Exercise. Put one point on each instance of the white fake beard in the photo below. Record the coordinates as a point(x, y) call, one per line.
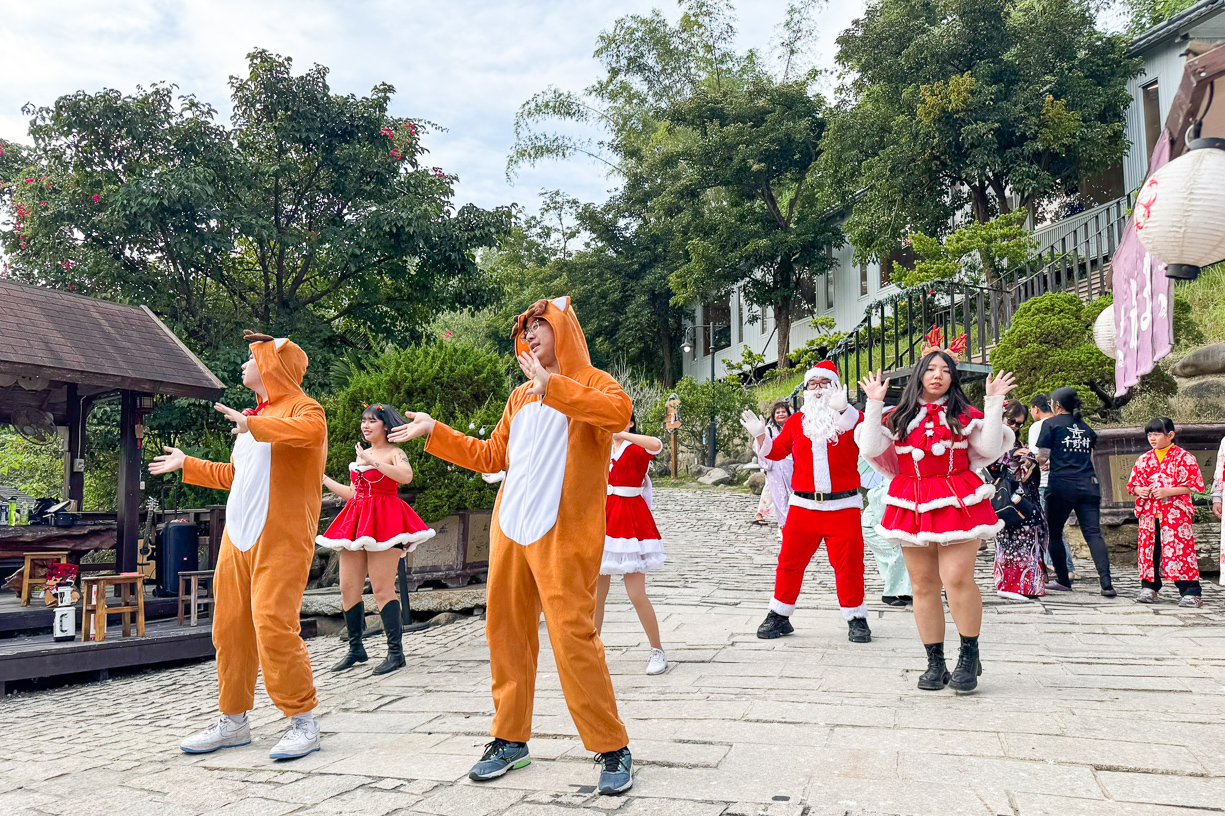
point(820, 419)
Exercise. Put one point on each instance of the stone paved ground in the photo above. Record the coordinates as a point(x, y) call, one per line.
point(1087, 706)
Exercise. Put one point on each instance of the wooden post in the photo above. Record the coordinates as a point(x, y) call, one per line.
point(74, 480)
point(128, 503)
point(675, 454)
point(672, 423)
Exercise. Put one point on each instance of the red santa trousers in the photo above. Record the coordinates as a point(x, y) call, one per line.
point(802, 536)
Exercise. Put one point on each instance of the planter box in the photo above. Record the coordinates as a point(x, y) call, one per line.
point(457, 556)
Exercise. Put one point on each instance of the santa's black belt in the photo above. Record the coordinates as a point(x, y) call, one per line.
point(823, 497)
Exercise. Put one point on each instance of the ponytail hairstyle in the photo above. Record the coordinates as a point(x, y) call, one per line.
point(910, 404)
point(389, 416)
point(1067, 399)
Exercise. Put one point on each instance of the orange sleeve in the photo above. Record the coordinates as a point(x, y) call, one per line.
point(308, 428)
point(481, 455)
point(202, 473)
point(604, 405)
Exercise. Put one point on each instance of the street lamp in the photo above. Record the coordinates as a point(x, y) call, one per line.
point(690, 337)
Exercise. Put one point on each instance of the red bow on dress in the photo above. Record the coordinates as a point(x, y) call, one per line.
point(933, 430)
point(255, 411)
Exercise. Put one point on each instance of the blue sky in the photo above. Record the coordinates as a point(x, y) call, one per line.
point(465, 64)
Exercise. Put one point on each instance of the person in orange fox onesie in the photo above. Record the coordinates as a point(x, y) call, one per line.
point(547, 537)
point(274, 476)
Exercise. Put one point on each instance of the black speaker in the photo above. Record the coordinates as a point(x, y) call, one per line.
point(177, 551)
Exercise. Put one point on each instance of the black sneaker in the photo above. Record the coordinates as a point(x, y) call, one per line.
point(500, 756)
point(616, 772)
point(859, 631)
point(775, 625)
point(893, 600)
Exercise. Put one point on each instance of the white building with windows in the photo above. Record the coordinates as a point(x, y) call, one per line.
point(846, 292)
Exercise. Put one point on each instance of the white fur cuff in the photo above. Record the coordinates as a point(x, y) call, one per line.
point(781, 608)
point(852, 612)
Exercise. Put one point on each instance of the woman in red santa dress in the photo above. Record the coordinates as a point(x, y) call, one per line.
point(373, 532)
point(938, 509)
point(632, 545)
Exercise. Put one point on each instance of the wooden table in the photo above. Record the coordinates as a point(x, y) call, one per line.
point(15, 542)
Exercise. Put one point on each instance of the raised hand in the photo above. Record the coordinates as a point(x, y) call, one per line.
point(753, 424)
point(1001, 385)
point(837, 398)
point(363, 456)
point(237, 417)
point(534, 371)
point(419, 424)
point(168, 462)
point(873, 387)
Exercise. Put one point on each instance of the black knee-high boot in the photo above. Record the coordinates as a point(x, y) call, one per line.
point(394, 628)
point(937, 675)
point(969, 667)
point(355, 620)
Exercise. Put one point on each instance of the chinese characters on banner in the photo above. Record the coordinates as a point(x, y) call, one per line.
point(1143, 307)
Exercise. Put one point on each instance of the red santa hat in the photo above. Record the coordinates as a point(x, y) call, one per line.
point(824, 370)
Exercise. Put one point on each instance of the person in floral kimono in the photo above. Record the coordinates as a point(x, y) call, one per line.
point(1162, 482)
point(1019, 571)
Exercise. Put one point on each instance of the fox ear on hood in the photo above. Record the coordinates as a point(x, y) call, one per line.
point(561, 303)
point(255, 337)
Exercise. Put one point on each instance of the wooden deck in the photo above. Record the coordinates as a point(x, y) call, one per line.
point(17, 618)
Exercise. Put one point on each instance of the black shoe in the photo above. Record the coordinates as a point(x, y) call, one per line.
point(937, 675)
point(909, 599)
point(893, 600)
point(858, 631)
point(390, 613)
point(500, 757)
point(355, 622)
point(775, 625)
point(616, 772)
point(969, 667)
point(1108, 592)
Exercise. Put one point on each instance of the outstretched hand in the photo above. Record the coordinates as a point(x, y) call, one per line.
point(534, 371)
point(237, 417)
point(874, 386)
point(1001, 385)
point(168, 462)
point(419, 424)
point(753, 424)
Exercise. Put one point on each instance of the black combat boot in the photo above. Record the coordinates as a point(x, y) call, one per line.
point(969, 667)
point(937, 675)
point(858, 631)
point(390, 613)
point(355, 620)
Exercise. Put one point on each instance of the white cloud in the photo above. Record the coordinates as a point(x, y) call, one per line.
point(465, 64)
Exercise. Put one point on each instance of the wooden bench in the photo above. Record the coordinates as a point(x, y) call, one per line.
point(93, 603)
point(42, 559)
point(195, 590)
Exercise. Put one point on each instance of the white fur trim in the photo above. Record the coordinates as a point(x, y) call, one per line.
point(851, 612)
point(834, 504)
point(621, 448)
point(780, 608)
point(625, 555)
point(849, 419)
point(952, 537)
point(980, 495)
point(360, 468)
point(368, 543)
point(815, 373)
point(904, 449)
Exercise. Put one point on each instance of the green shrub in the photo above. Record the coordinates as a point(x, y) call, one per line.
point(725, 399)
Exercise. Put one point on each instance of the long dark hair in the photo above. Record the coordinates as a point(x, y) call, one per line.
point(910, 404)
point(633, 424)
point(390, 417)
point(1068, 399)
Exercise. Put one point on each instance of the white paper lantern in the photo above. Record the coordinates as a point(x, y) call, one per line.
point(1104, 334)
point(1180, 212)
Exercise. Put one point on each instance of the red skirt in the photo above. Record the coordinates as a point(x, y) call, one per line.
point(938, 510)
point(631, 542)
point(375, 523)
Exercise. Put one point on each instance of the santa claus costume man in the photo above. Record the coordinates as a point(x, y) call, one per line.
point(825, 502)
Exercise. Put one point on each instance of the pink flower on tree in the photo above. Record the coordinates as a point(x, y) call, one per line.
point(395, 154)
point(95, 197)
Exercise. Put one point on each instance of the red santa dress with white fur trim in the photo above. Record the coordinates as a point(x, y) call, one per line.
point(631, 541)
point(375, 519)
point(936, 497)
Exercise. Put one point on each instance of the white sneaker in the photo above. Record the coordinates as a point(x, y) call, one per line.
point(301, 739)
point(658, 663)
point(225, 733)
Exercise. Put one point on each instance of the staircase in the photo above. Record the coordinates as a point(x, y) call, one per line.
point(1073, 257)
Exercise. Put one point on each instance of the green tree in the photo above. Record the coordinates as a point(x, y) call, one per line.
point(1144, 14)
point(967, 103)
point(724, 400)
point(974, 253)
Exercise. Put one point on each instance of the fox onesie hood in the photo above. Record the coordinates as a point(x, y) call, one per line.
point(554, 448)
point(275, 478)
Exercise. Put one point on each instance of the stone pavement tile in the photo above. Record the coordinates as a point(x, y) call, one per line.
point(1163, 789)
point(956, 715)
point(1046, 805)
point(1001, 774)
point(820, 713)
point(928, 799)
point(685, 710)
point(363, 802)
point(1103, 754)
point(438, 702)
point(316, 787)
point(756, 773)
point(383, 721)
point(675, 754)
point(918, 740)
point(539, 747)
point(750, 683)
point(469, 800)
point(254, 757)
point(1116, 682)
point(772, 809)
point(253, 806)
point(640, 806)
point(741, 732)
point(406, 756)
point(1147, 668)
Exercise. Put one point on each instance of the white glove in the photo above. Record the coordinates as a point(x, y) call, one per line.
point(838, 400)
point(493, 478)
point(752, 423)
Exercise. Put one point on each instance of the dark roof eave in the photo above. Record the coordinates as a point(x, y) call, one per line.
point(1170, 27)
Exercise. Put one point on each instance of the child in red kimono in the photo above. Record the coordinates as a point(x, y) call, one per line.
point(1162, 482)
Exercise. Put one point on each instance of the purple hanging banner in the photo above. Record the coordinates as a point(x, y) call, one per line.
point(1143, 311)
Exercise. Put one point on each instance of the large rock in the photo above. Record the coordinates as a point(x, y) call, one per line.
point(1206, 360)
point(715, 476)
point(1204, 389)
point(757, 482)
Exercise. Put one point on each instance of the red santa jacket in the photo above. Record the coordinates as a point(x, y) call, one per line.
point(829, 468)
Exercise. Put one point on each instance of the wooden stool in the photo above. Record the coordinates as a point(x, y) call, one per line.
point(200, 594)
point(95, 607)
point(38, 559)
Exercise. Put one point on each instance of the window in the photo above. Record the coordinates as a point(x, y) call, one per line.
point(1152, 116)
point(829, 290)
point(718, 333)
point(806, 297)
point(863, 279)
